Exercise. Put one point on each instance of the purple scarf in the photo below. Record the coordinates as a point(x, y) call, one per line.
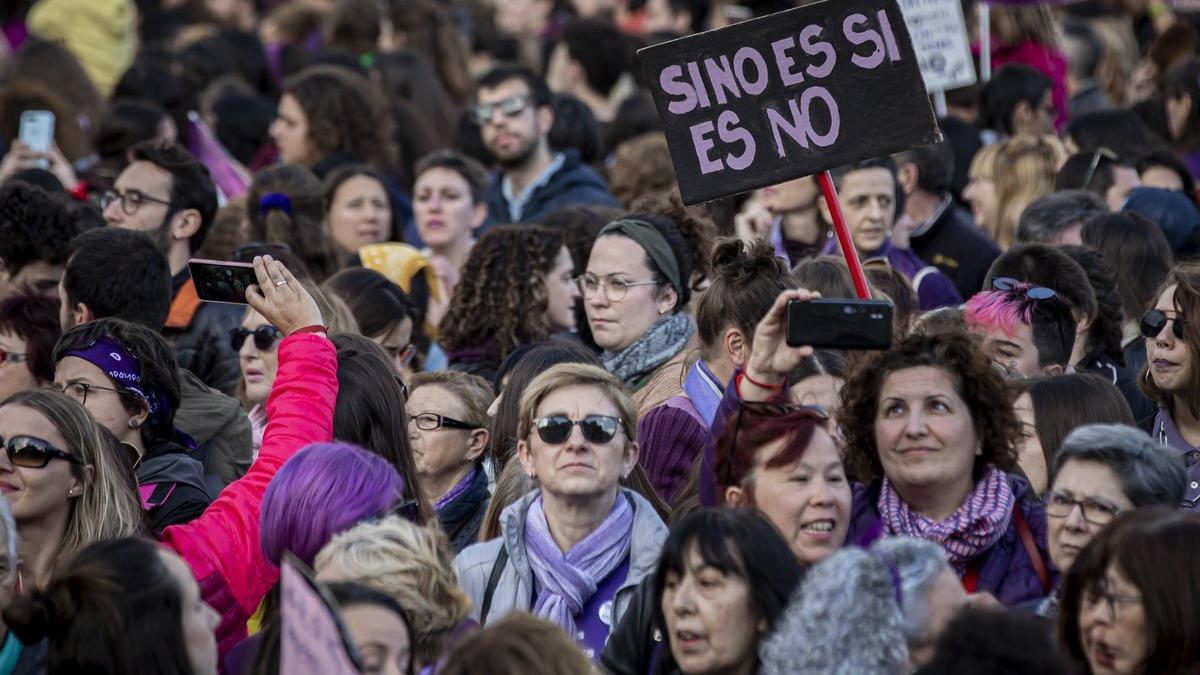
point(567, 581)
point(980, 522)
point(459, 488)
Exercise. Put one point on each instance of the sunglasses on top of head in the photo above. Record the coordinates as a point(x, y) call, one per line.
point(1154, 321)
point(1032, 292)
point(34, 453)
point(264, 337)
point(596, 428)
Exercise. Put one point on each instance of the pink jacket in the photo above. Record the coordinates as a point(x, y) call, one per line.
point(222, 545)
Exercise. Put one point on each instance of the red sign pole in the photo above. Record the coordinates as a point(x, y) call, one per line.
point(843, 236)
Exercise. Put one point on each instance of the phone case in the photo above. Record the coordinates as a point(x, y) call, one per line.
point(840, 324)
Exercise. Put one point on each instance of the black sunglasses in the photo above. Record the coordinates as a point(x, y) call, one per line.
point(408, 509)
point(1031, 292)
point(264, 337)
point(1154, 321)
point(34, 453)
point(595, 428)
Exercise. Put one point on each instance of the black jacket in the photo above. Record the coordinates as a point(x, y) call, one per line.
point(220, 427)
point(462, 517)
point(574, 184)
point(172, 487)
point(199, 331)
point(636, 646)
point(958, 249)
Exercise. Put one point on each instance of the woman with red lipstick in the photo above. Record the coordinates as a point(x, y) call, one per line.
point(1131, 601)
point(1171, 376)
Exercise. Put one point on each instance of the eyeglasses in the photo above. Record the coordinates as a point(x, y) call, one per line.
point(80, 390)
point(614, 290)
point(401, 355)
point(1097, 593)
point(432, 421)
point(247, 252)
point(556, 429)
point(1031, 292)
point(264, 337)
point(1101, 153)
point(481, 113)
point(34, 453)
point(131, 200)
point(1154, 321)
point(11, 357)
point(409, 509)
point(1059, 505)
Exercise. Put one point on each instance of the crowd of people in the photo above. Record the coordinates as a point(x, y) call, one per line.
point(514, 408)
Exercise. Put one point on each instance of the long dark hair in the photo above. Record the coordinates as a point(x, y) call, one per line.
point(114, 609)
point(739, 543)
point(370, 408)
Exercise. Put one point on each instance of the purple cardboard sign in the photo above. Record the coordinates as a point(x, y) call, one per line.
point(788, 95)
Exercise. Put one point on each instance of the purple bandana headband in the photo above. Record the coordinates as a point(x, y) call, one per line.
point(125, 372)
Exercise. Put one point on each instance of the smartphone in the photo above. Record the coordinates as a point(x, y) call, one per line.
point(840, 324)
point(37, 131)
point(218, 281)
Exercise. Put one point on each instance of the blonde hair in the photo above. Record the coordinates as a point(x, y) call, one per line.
point(108, 508)
point(578, 375)
point(1015, 25)
point(983, 165)
point(410, 563)
point(1025, 168)
point(512, 484)
point(472, 390)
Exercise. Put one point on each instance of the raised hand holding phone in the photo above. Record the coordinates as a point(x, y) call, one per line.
point(280, 298)
point(771, 359)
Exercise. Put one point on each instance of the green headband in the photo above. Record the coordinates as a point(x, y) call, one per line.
point(655, 245)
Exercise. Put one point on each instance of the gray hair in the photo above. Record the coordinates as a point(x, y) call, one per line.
point(843, 620)
point(918, 563)
point(1150, 474)
point(10, 533)
point(1047, 216)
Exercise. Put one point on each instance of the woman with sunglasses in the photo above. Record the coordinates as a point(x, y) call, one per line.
point(573, 551)
point(448, 427)
point(256, 342)
point(125, 375)
point(1171, 376)
point(931, 434)
point(1131, 601)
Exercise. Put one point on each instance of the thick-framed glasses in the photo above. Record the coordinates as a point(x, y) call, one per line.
point(1099, 154)
point(265, 337)
point(1155, 320)
point(131, 200)
point(1096, 512)
point(34, 453)
point(614, 290)
point(1098, 593)
point(11, 357)
point(555, 429)
point(402, 356)
point(431, 421)
point(1032, 292)
point(80, 390)
point(481, 113)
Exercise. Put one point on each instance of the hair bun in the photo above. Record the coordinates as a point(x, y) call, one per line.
point(735, 260)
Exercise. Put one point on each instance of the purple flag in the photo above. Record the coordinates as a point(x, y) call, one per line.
point(230, 177)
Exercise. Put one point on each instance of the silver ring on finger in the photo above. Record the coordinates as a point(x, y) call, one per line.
point(282, 282)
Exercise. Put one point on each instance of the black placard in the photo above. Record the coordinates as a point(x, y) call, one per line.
point(788, 95)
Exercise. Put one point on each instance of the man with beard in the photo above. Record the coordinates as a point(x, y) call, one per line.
point(169, 195)
point(514, 115)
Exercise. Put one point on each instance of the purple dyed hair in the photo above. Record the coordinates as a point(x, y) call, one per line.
point(322, 490)
point(1006, 310)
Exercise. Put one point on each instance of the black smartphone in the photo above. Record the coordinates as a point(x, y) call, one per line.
point(840, 324)
point(218, 281)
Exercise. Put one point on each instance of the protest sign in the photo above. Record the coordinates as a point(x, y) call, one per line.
point(313, 640)
point(939, 37)
point(788, 95)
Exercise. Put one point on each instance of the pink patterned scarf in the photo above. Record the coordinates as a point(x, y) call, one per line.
point(972, 529)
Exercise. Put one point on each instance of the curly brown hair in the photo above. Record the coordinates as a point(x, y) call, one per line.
point(345, 113)
point(502, 294)
point(693, 223)
point(975, 381)
point(641, 166)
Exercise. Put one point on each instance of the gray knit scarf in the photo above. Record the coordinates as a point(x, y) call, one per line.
point(664, 339)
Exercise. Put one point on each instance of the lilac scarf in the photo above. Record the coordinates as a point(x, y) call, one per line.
point(980, 522)
point(459, 488)
point(568, 581)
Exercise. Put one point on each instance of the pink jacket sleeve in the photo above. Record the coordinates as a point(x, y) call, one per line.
point(222, 545)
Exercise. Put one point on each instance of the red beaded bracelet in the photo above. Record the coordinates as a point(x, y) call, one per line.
point(760, 385)
point(315, 328)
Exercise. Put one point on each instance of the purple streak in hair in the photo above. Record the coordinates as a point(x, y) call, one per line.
point(324, 489)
